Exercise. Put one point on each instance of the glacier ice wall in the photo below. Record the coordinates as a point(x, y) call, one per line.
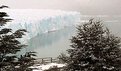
point(38, 21)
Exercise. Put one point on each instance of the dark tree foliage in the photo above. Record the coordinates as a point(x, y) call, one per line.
point(26, 61)
point(3, 6)
point(63, 58)
point(94, 48)
point(54, 68)
point(10, 45)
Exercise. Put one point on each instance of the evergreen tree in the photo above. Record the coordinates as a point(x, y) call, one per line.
point(10, 45)
point(26, 61)
point(94, 48)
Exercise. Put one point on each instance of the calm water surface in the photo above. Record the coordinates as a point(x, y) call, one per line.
point(51, 44)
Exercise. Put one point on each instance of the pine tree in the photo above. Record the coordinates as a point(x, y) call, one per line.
point(10, 45)
point(26, 61)
point(94, 48)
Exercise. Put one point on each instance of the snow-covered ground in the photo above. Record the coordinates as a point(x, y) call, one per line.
point(45, 67)
point(39, 21)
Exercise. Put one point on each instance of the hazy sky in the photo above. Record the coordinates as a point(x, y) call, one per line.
point(85, 6)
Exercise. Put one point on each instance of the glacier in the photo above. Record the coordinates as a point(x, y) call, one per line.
point(40, 21)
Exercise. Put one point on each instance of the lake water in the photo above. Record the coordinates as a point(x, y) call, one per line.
point(53, 43)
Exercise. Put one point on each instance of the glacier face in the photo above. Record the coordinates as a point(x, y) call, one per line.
point(39, 21)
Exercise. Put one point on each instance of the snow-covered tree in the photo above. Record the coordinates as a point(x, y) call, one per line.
point(10, 45)
point(26, 61)
point(94, 48)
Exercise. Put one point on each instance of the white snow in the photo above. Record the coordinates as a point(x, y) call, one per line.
point(39, 21)
point(45, 67)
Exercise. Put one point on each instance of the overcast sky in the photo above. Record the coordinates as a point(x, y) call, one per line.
point(85, 6)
